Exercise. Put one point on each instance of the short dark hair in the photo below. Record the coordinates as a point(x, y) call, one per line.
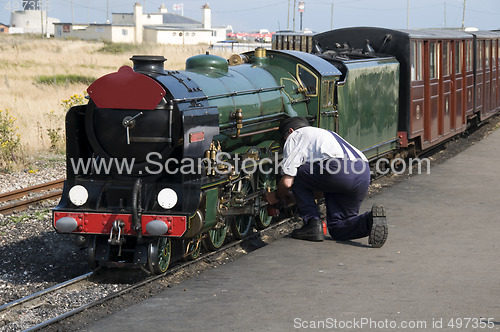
point(295, 123)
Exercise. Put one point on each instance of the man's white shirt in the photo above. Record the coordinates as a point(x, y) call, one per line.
point(311, 144)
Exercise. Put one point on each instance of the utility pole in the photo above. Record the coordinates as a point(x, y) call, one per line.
point(408, 15)
point(294, 14)
point(463, 18)
point(107, 11)
point(331, 22)
point(46, 17)
point(445, 13)
point(72, 13)
point(301, 11)
point(288, 17)
point(41, 16)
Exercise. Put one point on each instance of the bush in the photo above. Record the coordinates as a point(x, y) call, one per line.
point(116, 48)
point(10, 141)
point(64, 79)
point(74, 100)
point(55, 131)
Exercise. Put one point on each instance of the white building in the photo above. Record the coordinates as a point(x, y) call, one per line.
point(32, 21)
point(161, 28)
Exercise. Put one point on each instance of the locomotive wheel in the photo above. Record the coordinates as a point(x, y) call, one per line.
point(159, 253)
point(91, 252)
point(193, 249)
point(215, 238)
point(241, 226)
point(263, 220)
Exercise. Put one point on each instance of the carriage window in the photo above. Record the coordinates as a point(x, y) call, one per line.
point(468, 59)
point(493, 53)
point(459, 57)
point(416, 61)
point(413, 51)
point(308, 80)
point(487, 54)
point(420, 64)
point(479, 63)
point(434, 59)
point(446, 59)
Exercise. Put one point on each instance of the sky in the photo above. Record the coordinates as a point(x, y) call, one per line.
point(246, 16)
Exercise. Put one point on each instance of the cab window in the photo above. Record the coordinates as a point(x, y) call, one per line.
point(308, 80)
point(327, 94)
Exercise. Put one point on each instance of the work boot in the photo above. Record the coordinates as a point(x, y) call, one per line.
point(311, 231)
point(379, 231)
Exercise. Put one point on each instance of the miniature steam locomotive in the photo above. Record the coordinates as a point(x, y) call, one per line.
point(160, 162)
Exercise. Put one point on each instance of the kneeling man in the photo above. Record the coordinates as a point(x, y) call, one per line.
point(316, 159)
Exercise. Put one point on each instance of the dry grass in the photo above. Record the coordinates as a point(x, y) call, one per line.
point(22, 59)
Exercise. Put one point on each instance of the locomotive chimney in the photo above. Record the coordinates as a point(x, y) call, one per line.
point(148, 63)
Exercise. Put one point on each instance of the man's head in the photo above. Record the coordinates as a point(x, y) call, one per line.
point(293, 123)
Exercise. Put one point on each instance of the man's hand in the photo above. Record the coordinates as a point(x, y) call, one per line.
point(271, 198)
point(283, 190)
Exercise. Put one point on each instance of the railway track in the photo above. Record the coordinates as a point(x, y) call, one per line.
point(40, 303)
point(33, 299)
point(29, 307)
point(15, 200)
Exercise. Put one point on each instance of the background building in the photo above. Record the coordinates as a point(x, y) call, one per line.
point(161, 27)
point(32, 19)
point(4, 28)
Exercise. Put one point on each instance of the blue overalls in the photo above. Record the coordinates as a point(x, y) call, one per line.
point(344, 183)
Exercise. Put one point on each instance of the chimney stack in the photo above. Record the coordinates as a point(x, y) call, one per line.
point(138, 23)
point(163, 9)
point(206, 16)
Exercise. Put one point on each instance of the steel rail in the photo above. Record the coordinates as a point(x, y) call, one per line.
point(36, 295)
point(20, 193)
point(153, 278)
